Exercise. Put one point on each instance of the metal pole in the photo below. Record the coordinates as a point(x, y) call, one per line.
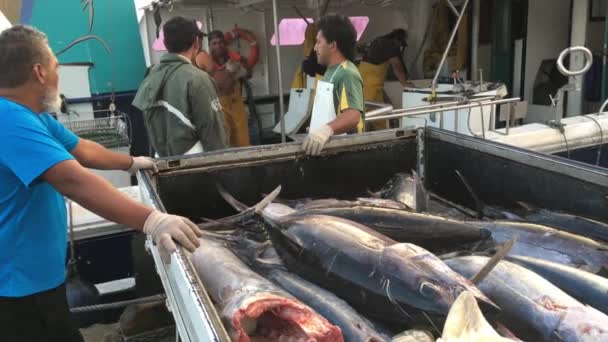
point(475, 38)
point(605, 60)
point(449, 105)
point(453, 8)
point(378, 111)
point(447, 48)
point(405, 113)
point(279, 73)
point(211, 16)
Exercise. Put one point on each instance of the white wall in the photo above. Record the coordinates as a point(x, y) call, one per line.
point(547, 37)
point(74, 84)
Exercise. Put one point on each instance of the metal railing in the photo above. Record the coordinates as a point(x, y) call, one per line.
point(455, 106)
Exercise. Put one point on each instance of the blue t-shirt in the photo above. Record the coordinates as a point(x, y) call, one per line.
point(33, 222)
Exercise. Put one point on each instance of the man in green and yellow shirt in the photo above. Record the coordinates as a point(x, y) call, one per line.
point(339, 106)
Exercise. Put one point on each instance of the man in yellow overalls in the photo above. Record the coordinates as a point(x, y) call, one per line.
point(227, 68)
point(384, 50)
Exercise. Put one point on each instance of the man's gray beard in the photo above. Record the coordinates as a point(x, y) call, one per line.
point(51, 103)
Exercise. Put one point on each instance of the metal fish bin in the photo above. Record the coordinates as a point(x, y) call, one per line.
point(348, 168)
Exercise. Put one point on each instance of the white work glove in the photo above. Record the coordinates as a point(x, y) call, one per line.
point(165, 228)
point(316, 140)
point(141, 163)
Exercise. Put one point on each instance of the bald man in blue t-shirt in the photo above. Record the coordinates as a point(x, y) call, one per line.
point(40, 162)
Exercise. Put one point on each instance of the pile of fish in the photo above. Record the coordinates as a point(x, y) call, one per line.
point(404, 265)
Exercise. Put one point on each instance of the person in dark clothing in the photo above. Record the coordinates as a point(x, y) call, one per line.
point(383, 52)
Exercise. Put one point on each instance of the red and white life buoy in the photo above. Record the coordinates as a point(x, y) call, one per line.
point(254, 50)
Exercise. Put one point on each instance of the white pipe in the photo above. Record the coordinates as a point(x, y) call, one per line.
point(452, 7)
point(279, 73)
point(475, 42)
point(447, 48)
point(580, 131)
point(408, 112)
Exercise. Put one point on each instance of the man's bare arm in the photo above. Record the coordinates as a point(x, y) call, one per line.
point(96, 194)
point(92, 155)
point(346, 122)
point(399, 71)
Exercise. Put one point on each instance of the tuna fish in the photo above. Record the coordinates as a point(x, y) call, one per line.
point(407, 189)
point(550, 244)
point(390, 281)
point(371, 272)
point(253, 307)
point(361, 201)
point(428, 231)
point(586, 287)
point(263, 258)
point(566, 222)
point(528, 301)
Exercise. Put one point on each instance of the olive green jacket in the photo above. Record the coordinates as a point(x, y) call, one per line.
point(180, 107)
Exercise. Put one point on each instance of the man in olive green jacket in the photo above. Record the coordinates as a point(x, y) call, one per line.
point(182, 112)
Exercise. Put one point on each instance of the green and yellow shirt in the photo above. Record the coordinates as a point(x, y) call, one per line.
point(348, 89)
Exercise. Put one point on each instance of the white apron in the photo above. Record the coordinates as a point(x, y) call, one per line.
point(197, 147)
point(323, 109)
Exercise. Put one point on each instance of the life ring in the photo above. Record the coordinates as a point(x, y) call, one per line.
point(254, 49)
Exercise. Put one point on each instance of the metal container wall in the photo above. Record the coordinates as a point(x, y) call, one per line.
point(350, 167)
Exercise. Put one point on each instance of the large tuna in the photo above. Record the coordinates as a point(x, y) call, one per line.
point(425, 230)
point(390, 281)
point(253, 307)
point(566, 222)
point(550, 244)
point(587, 287)
point(528, 301)
point(428, 231)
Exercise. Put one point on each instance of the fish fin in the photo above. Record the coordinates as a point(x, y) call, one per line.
point(422, 196)
point(267, 200)
point(478, 203)
point(245, 212)
point(238, 206)
point(494, 260)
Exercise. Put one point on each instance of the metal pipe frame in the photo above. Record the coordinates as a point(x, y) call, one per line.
point(279, 72)
point(452, 7)
point(447, 48)
point(475, 40)
point(406, 113)
point(377, 112)
point(446, 105)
